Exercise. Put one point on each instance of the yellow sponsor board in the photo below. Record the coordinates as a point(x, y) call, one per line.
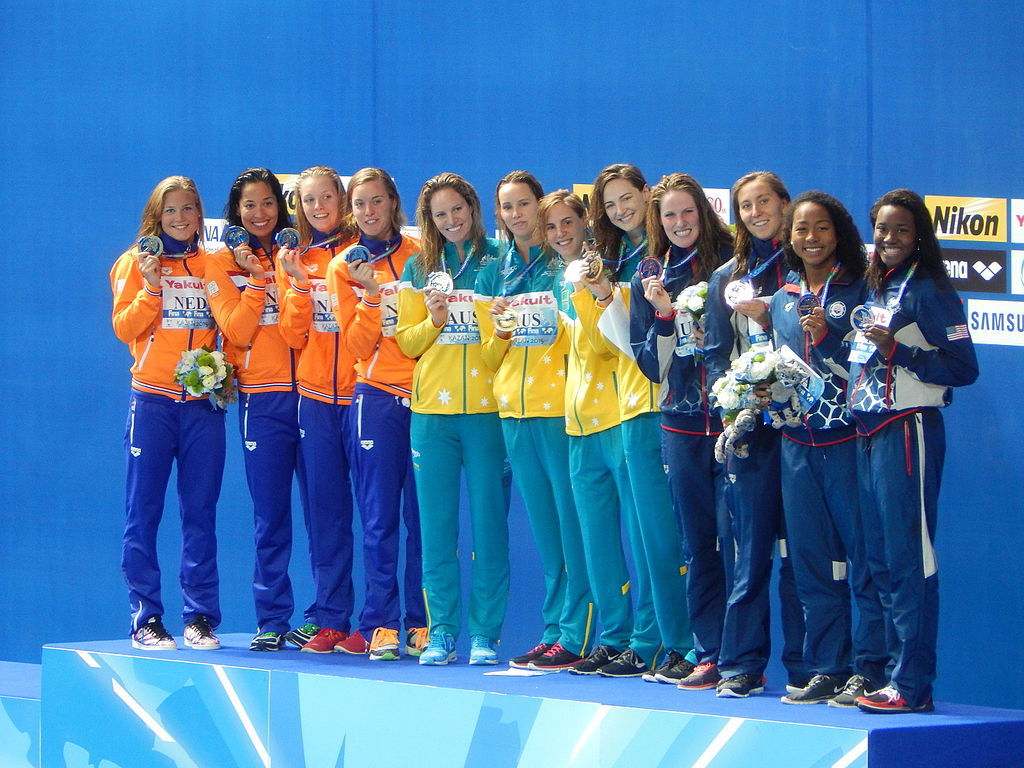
point(288, 187)
point(583, 192)
point(977, 219)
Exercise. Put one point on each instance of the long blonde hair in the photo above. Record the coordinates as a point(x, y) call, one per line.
point(153, 210)
point(431, 240)
point(376, 174)
point(345, 230)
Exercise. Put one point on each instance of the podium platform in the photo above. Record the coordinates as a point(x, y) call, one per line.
point(106, 705)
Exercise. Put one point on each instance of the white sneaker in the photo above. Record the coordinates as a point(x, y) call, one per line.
point(199, 634)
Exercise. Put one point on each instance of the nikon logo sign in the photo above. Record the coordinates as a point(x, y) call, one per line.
point(979, 219)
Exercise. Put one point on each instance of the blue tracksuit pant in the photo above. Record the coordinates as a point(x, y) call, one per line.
point(386, 496)
point(823, 526)
point(697, 485)
point(754, 498)
point(899, 470)
point(325, 435)
point(269, 427)
point(159, 432)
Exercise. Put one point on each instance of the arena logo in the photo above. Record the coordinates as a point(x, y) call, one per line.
point(976, 270)
point(978, 219)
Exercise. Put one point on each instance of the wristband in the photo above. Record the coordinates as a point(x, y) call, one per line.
point(665, 317)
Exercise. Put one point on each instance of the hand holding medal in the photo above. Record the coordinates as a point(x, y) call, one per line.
point(150, 247)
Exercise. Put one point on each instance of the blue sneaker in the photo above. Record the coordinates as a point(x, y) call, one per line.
point(440, 650)
point(481, 650)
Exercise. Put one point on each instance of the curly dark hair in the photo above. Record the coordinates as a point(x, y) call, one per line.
point(929, 252)
point(850, 251)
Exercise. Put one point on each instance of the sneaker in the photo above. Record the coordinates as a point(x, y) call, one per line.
point(626, 664)
point(705, 675)
point(555, 658)
point(672, 671)
point(741, 686)
point(152, 636)
point(354, 644)
point(820, 690)
point(890, 701)
point(324, 641)
point(599, 657)
point(440, 650)
point(523, 662)
point(482, 650)
point(856, 686)
point(799, 685)
point(302, 635)
point(384, 644)
point(267, 641)
point(416, 640)
point(199, 634)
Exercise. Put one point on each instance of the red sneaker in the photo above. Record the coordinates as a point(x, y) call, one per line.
point(324, 641)
point(354, 643)
point(890, 701)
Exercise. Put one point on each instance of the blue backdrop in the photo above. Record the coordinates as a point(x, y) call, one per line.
point(102, 100)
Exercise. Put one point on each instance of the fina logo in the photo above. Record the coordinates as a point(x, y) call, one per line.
point(987, 271)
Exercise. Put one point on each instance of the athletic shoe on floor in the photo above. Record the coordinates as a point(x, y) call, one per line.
point(889, 701)
point(672, 671)
point(855, 687)
point(440, 650)
point(703, 677)
point(416, 640)
point(741, 686)
point(199, 634)
point(324, 641)
point(482, 650)
point(152, 636)
point(799, 685)
point(626, 664)
point(267, 641)
point(302, 635)
point(599, 657)
point(820, 690)
point(523, 662)
point(355, 644)
point(555, 658)
point(384, 644)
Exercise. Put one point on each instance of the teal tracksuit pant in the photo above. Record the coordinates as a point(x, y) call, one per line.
point(659, 547)
point(538, 450)
point(442, 447)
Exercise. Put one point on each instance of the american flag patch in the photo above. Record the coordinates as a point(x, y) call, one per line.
point(957, 332)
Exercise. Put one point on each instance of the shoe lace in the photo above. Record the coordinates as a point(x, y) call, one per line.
point(154, 628)
point(201, 624)
point(438, 642)
point(383, 636)
point(855, 684)
point(704, 666)
point(480, 643)
point(418, 637)
point(890, 693)
point(554, 650)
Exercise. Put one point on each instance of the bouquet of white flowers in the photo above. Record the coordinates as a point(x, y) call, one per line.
point(779, 373)
point(692, 299)
point(205, 371)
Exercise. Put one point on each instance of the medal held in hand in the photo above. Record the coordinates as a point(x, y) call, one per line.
point(737, 291)
point(650, 266)
point(151, 245)
point(287, 238)
point(806, 304)
point(507, 320)
point(441, 282)
point(235, 236)
point(861, 318)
